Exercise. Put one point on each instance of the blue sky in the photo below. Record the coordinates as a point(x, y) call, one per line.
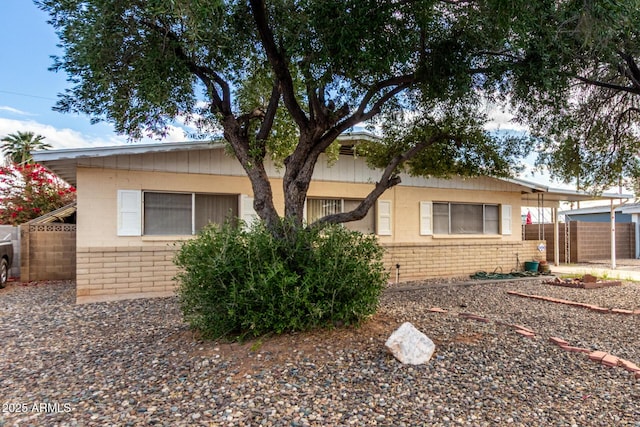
point(28, 90)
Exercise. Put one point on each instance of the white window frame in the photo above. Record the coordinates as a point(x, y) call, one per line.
point(426, 218)
point(130, 210)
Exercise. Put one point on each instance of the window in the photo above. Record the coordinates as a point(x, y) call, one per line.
point(318, 208)
point(465, 218)
point(185, 213)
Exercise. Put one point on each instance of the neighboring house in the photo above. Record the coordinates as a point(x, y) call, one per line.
point(136, 201)
point(623, 213)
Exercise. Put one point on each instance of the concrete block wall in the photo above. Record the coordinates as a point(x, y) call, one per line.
point(113, 273)
point(545, 231)
point(587, 240)
point(457, 259)
point(48, 252)
point(594, 241)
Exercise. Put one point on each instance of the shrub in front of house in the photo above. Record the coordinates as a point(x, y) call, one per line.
point(236, 283)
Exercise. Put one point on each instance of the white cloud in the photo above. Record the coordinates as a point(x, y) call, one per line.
point(15, 111)
point(500, 119)
point(69, 138)
point(174, 134)
point(58, 138)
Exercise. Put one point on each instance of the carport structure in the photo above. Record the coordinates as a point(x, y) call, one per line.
point(541, 196)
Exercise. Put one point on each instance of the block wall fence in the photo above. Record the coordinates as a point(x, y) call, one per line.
point(588, 241)
point(48, 252)
point(113, 273)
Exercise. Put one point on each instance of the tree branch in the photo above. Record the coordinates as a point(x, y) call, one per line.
point(608, 85)
point(634, 71)
point(208, 76)
point(279, 64)
point(270, 114)
point(388, 179)
point(393, 81)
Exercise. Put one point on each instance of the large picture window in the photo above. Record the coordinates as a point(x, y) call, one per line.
point(465, 218)
point(318, 208)
point(185, 213)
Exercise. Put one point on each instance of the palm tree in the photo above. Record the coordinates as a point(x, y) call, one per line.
point(17, 147)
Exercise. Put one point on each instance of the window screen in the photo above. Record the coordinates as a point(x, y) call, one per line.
point(441, 218)
point(214, 208)
point(167, 213)
point(318, 208)
point(173, 213)
point(465, 218)
point(491, 219)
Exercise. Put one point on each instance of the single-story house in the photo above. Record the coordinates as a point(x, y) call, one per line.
point(136, 201)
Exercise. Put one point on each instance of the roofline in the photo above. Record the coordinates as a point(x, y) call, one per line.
point(161, 147)
point(348, 138)
point(540, 188)
point(624, 208)
point(77, 153)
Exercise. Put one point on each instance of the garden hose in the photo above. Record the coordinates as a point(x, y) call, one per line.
point(483, 275)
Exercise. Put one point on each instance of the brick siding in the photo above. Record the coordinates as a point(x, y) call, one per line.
point(113, 273)
point(457, 259)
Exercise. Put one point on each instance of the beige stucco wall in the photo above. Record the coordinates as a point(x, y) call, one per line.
point(97, 203)
point(114, 267)
point(97, 200)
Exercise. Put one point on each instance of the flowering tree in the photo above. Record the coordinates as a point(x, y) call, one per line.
point(30, 190)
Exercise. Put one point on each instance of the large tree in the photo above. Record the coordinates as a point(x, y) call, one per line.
point(591, 128)
point(284, 78)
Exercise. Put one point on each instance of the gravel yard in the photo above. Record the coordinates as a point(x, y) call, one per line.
point(136, 363)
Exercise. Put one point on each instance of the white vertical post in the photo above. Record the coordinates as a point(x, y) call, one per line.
point(556, 238)
point(613, 235)
point(636, 223)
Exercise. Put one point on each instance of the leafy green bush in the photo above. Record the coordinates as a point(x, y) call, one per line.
point(234, 282)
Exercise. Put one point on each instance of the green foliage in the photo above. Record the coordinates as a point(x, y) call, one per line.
point(589, 128)
point(29, 191)
point(235, 282)
point(140, 65)
point(284, 78)
point(460, 145)
point(17, 147)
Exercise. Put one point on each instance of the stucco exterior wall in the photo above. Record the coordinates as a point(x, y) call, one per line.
point(116, 267)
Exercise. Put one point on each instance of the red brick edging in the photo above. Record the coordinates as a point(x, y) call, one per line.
point(604, 358)
point(576, 304)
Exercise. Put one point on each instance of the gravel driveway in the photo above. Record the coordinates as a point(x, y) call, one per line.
point(136, 363)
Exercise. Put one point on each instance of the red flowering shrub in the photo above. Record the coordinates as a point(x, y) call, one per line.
point(30, 190)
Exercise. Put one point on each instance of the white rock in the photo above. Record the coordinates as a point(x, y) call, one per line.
point(410, 346)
